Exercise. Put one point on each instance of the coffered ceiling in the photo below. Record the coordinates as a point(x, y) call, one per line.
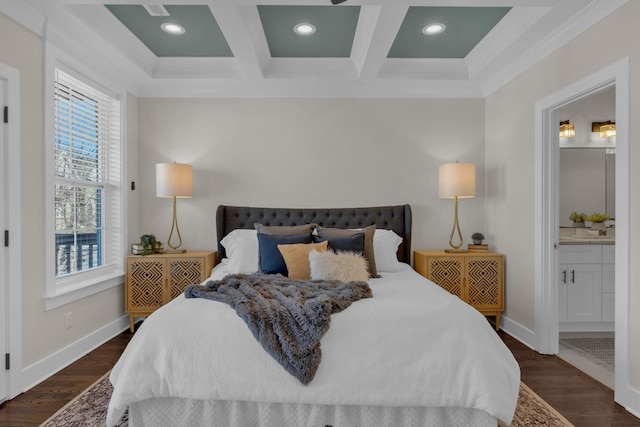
point(365, 48)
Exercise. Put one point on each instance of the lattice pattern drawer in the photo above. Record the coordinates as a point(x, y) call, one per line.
point(447, 273)
point(145, 283)
point(484, 282)
point(183, 273)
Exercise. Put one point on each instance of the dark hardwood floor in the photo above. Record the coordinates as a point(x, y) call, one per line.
point(39, 403)
point(581, 399)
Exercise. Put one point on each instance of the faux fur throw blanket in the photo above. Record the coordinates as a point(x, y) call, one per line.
point(288, 317)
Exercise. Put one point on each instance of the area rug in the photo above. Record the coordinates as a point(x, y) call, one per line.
point(531, 410)
point(89, 408)
point(599, 350)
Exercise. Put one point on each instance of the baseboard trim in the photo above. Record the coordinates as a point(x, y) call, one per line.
point(632, 411)
point(524, 335)
point(43, 369)
point(630, 400)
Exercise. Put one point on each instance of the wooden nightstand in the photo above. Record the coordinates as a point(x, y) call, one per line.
point(154, 280)
point(477, 278)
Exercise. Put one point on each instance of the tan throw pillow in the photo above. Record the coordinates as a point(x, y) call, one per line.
point(296, 257)
point(368, 242)
point(343, 266)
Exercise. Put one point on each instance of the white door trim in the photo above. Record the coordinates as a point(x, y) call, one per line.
point(14, 264)
point(546, 221)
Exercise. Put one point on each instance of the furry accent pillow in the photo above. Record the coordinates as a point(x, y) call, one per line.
point(368, 242)
point(343, 266)
point(296, 257)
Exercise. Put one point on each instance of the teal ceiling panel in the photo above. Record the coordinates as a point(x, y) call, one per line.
point(202, 37)
point(335, 30)
point(465, 27)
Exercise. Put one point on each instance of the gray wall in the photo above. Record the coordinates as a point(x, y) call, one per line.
point(310, 153)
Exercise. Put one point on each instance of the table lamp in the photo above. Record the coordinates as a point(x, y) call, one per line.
point(457, 180)
point(174, 180)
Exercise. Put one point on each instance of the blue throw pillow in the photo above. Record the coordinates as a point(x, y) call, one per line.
point(352, 243)
point(271, 260)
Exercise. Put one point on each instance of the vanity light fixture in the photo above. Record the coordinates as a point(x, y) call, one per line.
point(172, 28)
point(304, 29)
point(456, 181)
point(433, 29)
point(608, 130)
point(567, 130)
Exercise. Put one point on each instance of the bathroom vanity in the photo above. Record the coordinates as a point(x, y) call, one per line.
point(586, 283)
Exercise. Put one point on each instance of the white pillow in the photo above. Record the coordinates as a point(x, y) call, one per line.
point(343, 266)
point(385, 249)
point(219, 271)
point(242, 252)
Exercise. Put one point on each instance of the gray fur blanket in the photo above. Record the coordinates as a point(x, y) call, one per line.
point(288, 317)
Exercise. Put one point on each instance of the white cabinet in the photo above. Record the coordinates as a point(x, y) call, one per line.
point(582, 284)
point(608, 283)
point(586, 287)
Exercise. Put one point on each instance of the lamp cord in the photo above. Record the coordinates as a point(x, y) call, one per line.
point(456, 226)
point(174, 225)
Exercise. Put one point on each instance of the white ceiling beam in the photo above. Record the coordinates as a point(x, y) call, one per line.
point(376, 31)
point(239, 26)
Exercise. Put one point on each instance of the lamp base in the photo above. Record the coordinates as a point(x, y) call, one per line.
point(174, 251)
point(456, 251)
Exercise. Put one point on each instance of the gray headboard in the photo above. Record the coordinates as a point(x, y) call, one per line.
point(396, 218)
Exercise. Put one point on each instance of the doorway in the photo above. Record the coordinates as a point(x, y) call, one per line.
point(586, 190)
point(10, 258)
point(4, 258)
point(547, 221)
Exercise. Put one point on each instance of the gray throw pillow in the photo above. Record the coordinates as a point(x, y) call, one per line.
point(368, 242)
point(284, 230)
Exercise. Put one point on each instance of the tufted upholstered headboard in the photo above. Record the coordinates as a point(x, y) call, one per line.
point(396, 218)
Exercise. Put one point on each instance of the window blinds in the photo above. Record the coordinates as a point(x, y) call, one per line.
point(88, 208)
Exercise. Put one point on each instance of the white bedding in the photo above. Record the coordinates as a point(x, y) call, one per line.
point(412, 344)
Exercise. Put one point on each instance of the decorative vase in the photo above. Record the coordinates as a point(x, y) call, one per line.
point(578, 225)
point(598, 226)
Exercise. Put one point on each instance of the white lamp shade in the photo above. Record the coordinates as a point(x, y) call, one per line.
point(174, 180)
point(457, 179)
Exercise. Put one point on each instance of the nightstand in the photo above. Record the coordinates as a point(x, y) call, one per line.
point(477, 278)
point(154, 280)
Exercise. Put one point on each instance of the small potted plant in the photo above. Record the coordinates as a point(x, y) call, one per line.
point(477, 238)
point(149, 243)
point(578, 219)
point(597, 220)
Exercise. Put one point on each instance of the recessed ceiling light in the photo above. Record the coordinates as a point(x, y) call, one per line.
point(433, 29)
point(172, 28)
point(304, 29)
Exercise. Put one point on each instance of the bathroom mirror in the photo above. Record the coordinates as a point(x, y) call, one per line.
point(587, 182)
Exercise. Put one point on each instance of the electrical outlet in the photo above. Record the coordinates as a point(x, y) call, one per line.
point(68, 320)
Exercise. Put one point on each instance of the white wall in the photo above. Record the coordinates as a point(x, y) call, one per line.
point(510, 153)
point(43, 332)
point(310, 153)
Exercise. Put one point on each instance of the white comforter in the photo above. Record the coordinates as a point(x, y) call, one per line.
point(412, 344)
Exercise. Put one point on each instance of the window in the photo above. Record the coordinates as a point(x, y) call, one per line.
point(87, 182)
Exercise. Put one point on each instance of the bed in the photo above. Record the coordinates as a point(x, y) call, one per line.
point(412, 355)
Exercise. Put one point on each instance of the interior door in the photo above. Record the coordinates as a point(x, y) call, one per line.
point(4, 251)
